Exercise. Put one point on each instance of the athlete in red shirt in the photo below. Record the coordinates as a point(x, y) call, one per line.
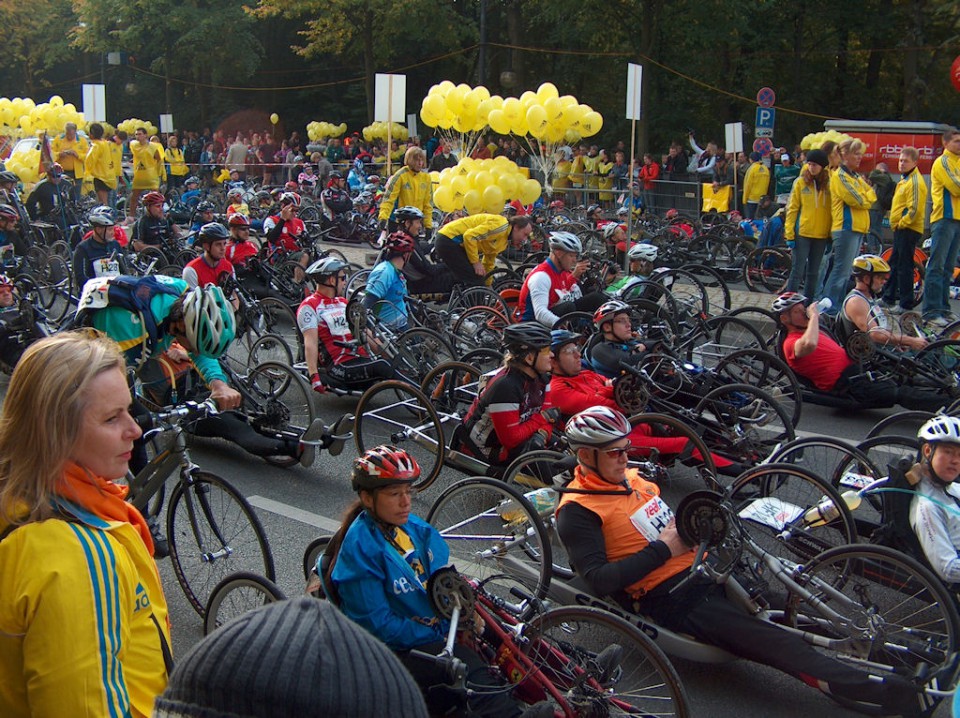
point(210, 266)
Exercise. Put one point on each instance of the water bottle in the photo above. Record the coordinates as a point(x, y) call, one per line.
point(825, 512)
point(544, 500)
point(824, 304)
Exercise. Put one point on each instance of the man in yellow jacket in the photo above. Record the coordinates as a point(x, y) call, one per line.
point(99, 164)
point(906, 220)
point(409, 186)
point(69, 150)
point(756, 183)
point(944, 229)
point(462, 243)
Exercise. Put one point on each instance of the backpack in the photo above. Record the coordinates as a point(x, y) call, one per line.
point(131, 293)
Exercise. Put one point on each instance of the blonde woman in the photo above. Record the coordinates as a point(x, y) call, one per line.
point(808, 222)
point(83, 619)
point(410, 186)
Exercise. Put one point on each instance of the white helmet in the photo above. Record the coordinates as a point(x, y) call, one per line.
point(645, 251)
point(610, 229)
point(943, 428)
point(566, 241)
point(597, 426)
point(326, 266)
point(209, 320)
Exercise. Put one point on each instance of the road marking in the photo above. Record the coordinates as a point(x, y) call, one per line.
point(292, 512)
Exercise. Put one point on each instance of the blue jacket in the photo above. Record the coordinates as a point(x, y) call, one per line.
point(379, 589)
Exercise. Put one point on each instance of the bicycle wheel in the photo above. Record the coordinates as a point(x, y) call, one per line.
point(477, 297)
point(763, 320)
point(394, 412)
point(419, 350)
point(237, 594)
point(694, 453)
point(154, 256)
point(478, 327)
point(715, 284)
point(452, 387)
point(483, 360)
point(773, 501)
point(596, 659)
point(743, 423)
point(653, 321)
point(942, 358)
point(903, 423)
point(579, 322)
point(688, 291)
point(766, 371)
point(272, 348)
point(883, 452)
point(277, 318)
point(871, 604)
point(56, 289)
point(718, 337)
point(312, 554)
point(292, 281)
point(184, 257)
point(213, 532)
point(495, 536)
point(279, 404)
point(766, 269)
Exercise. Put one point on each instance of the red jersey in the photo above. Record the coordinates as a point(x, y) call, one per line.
point(239, 252)
point(823, 366)
point(328, 316)
point(291, 231)
point(198, 273)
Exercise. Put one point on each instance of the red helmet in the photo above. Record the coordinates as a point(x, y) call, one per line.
point(152, 198)
point(671, 214)
point(608, 310)
point(384, 466)
point(557, 204)
point(400, 243)
point(290, 186)
point(238, 220)
point(290, 198)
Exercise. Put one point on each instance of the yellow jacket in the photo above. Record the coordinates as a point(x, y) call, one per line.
point(808, 211)
point(480, 234)
point(116, 151)
point(850, 199)
point(406, 189)
point(756, 182)
point(99, 163)
point(145, 165)
point(945, 187)
point(82, 619)
point(174, 157)
point(69, 162)
point(909, 203)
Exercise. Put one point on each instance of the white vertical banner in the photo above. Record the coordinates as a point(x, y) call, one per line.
point(95, 103)
point(634, 85)
point(166, 124)
point(733, 136)
point(412, 125)
point(389, 103)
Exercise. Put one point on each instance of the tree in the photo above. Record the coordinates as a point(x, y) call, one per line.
point(34, 42)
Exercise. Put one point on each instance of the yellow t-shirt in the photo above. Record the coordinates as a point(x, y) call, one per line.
point(146, 161)
point(69, 162)
point(99, 163)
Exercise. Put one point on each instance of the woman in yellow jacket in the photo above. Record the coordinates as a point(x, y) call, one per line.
point(756, 183)
point(808, 222)
point(99, 164)
point(83, 621)
point(850, 200)
point(176, 165)
point(469, 246)
point(409, 186)
point(605, 177)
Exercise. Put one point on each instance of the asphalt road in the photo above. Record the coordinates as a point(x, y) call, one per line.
point(298, 504)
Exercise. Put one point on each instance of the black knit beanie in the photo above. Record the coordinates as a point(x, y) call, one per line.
point(300, 657)
point(819, 157)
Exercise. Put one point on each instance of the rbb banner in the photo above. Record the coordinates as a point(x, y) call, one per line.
point(885, 147)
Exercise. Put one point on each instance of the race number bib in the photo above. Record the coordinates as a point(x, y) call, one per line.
point(652, 518)
point(95, 294)
point(106, 267)
point(336, 321)
point(771, 511)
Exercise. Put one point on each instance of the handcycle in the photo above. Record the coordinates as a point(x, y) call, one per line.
point(212, 529)
point(777, 525)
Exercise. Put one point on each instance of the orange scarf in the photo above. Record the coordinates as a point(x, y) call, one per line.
point(103, 498)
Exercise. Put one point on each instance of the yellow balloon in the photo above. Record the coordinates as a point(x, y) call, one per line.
point(498, 122)
point(455, 101)
point(483, 92)
point(591, 123)
point(435, 177)
point(497, 102)
point(482, 180)
point(25, 122)
point(528, 99)
point(56, 101)
point(493, 199)
point(553, 108)
point(471, 101)
point(519, 126)
point(443, 198)
point(568, 101)
point(547, 91)
point(274, 118)
point(435, 105)
point(70, 107)
point(509, 182)
point(446, 86)
point(503, 163)
point(537, 120)
point(460, 185)
point(446, 122)
point(473, 202)
point(511, 109)
point(529, 191)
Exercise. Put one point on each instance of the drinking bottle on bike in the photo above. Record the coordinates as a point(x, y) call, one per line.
point(825, 512)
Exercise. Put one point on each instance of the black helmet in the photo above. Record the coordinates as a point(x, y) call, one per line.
point(8, 176)
point(525, 337)
point(205, 206)
point(335, 175)
point(211, 232)
point(403, 214)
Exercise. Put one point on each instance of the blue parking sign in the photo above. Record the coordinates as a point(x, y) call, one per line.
point(765, 118)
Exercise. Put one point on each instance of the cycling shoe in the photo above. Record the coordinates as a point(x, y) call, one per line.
point(343, 428)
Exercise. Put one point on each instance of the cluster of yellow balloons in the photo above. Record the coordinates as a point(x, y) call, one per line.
point(482, 186)
point(130, 126)
point(26, 165)
point(544, 114)
point(317, 130)
point(815, 140)
point(21, 116)
point(378, 131)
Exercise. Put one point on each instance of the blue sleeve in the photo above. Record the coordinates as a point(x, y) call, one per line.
point(209, 369)
point(378, 283)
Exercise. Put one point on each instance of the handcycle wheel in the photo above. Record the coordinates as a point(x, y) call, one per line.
point(57, 283)
point(718, 337)
point(277, 318)
point(576, 649)
point(892, 611)
point(688, 291)
point(767, 371)
point(272, 348)
point(665, 426)
point(292, 281)
point(942, 357)
point(213, 531)
point(483, 360)
point(281, 404)
point(495, 536)
point(579, 322)
point(452, 387)
point(883, 452)
point(763, 320)
point(153, 255)
point(743, 423)
point(651, 291)
point(903, 423)
point(237, 594)
point(477, 297)
point(394, 412)
point(712, 281)
point(184, 257)
point(312, 554)
point(772, 501)
point(419, 350)
point(478, 327)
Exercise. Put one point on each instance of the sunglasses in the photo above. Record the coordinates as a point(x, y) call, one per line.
point(618, 453)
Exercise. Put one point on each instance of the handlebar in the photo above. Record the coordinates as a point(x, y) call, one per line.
point(174, 416)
